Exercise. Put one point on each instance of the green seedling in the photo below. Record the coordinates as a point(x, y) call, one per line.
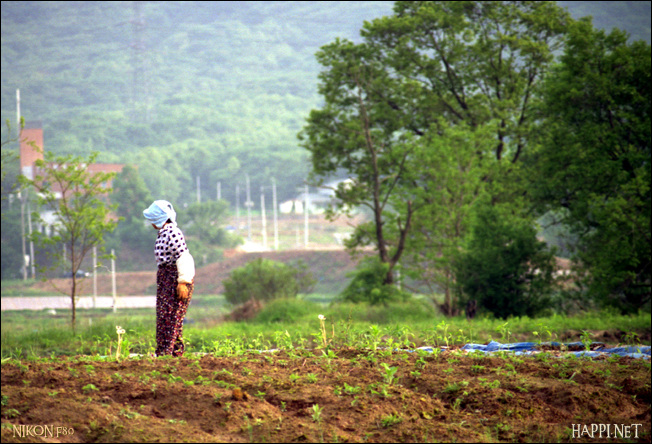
point(316, 413)
point(505, 332)
point(351, 390)
point(585, 337)
point(454, 387)
point(389, 374)
point(89, 387)
point(390, 420)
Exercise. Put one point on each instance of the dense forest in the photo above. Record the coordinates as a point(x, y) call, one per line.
point(185, 89)
point(181, 89)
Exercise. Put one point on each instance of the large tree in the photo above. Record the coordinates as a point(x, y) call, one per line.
point(449, 174)
point(77, 199)
point(429, 67)
point(593, 169)
point(355, 132)
point(472, 62)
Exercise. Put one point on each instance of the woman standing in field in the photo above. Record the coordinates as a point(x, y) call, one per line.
point(174, 278)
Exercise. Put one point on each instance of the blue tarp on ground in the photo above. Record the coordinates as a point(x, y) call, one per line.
point(576, 348)
point(528, 348)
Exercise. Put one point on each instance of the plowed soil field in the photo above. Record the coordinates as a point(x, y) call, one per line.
point(350, 396)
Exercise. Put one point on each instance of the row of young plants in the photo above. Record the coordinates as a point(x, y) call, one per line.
point(391, 373)
point(327, 360)
point(296, 324)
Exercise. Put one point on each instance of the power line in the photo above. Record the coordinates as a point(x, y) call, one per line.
point(141, 99)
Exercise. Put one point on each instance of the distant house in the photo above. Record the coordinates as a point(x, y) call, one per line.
point(317, 202)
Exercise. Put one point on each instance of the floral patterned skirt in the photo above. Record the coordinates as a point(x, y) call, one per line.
point(170, 312)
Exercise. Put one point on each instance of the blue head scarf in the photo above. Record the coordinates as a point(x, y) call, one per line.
point(159, 212)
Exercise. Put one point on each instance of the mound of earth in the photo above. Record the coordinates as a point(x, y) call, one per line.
point(330, 267)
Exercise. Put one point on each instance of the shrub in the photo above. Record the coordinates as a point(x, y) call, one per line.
point(287, 310)
point(505, 268)
point(264, 280)
point(368, 284)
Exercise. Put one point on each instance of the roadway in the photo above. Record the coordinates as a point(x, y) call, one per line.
point(83, 302)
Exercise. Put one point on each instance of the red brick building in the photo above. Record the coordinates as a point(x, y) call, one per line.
point(32, 149)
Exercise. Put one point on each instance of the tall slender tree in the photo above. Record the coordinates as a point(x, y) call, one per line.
point(77, 199)
point(355, 132)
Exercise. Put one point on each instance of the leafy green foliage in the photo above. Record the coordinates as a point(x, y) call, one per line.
point(368, 285)
point(450, 176)
point(77, 199)
point(287, 310)
point(593, 169)
point(431, 68)
point(131, 197)
point(505, 268)
point(264, 280)
point(476, 62)
point(355, 132)
point(203, 227)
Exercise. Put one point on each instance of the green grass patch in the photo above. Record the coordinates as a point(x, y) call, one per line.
point(288, 324)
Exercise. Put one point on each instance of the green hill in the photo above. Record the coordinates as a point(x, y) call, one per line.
point(214, 90)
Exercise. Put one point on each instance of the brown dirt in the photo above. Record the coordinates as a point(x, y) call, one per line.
point(271, 397)
point(331, 265)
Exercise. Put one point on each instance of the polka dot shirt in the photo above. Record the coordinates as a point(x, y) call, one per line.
point(170, 243)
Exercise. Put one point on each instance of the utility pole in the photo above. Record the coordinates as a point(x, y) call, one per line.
point(22, 232)
point(21, 194)
point(275, 214)
point(262, 214)
point(115, 293)
point(305, 218)
point(94, 277)
point(198, 192)
point(219, 190)
point(31, 242)
point(248, 204)
point(237, 208)
point(24, 200)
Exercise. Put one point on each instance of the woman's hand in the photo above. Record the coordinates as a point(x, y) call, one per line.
point(183, 291)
